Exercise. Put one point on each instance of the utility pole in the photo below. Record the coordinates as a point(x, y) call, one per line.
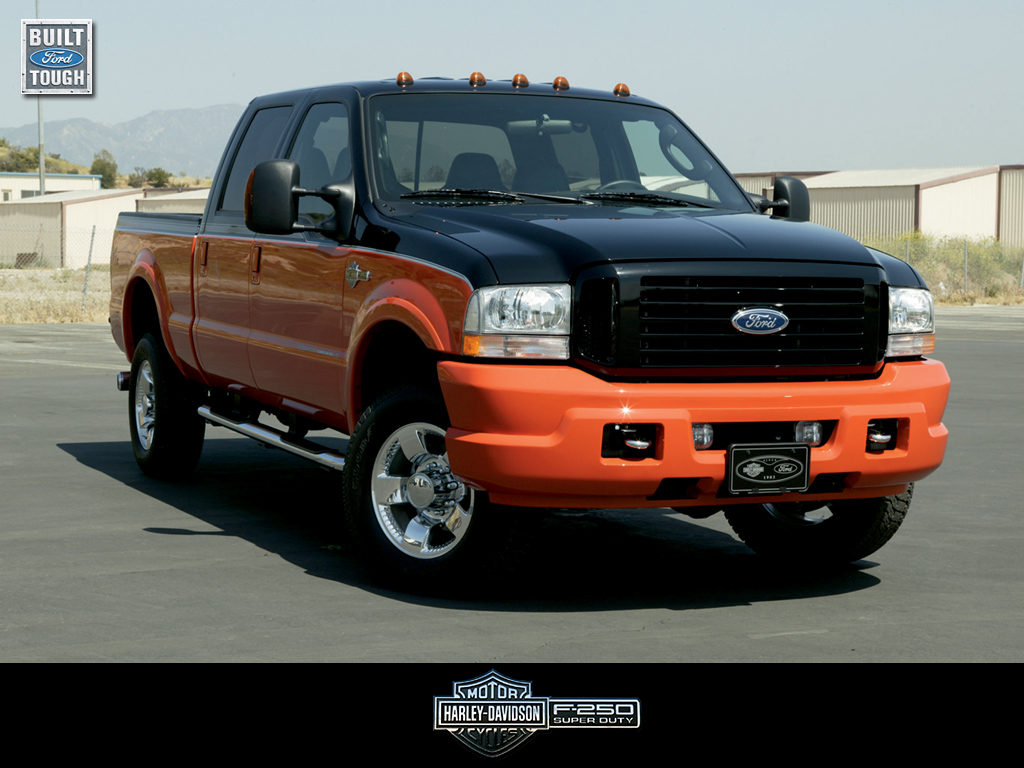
point(42, 152)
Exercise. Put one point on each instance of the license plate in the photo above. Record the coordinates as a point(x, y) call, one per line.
point(769, 468)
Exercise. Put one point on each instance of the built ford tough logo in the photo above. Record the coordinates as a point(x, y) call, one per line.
point(56, 56)
point(494, 714)
point(759, 321)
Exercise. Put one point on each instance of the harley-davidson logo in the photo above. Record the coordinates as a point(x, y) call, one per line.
point(493, 714)
point(759, 321)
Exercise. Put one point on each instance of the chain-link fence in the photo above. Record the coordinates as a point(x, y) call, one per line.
point(50, 275)
point(962, 270)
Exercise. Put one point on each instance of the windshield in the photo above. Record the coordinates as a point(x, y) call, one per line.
point(561, 148)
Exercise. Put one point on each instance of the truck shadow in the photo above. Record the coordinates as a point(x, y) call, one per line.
point(555, 560)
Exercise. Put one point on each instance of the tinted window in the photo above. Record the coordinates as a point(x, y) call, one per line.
point(321, 149)
point(260, 139)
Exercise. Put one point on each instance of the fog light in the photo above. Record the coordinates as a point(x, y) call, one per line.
point(703, 436)
point(809, 432)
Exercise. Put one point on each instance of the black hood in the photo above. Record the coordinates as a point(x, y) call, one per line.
point(551, 243)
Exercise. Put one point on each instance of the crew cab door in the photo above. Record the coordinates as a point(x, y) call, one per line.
point(296, 342)
point(224, 260)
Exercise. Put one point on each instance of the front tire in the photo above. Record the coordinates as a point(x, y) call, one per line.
point(167, 432)
point(820, 534)
point(413, 520)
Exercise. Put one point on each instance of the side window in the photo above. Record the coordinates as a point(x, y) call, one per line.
point(258, 145)
point(321, 149)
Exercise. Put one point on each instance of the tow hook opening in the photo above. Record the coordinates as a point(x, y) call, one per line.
point(630, 441)
point(882, 435)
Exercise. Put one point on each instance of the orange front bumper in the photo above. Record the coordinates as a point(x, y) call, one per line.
point(531, 435)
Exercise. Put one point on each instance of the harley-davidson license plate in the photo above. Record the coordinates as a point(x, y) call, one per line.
point(769, 468)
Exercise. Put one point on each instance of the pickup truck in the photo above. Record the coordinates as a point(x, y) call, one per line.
point(511, 295)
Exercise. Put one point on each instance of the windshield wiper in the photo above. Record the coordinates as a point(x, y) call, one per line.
point(642, 198)
point(490, 195)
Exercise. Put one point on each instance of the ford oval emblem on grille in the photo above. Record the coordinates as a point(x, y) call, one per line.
point(759, 321)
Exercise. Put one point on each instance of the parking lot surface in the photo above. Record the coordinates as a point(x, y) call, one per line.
point(245, 562)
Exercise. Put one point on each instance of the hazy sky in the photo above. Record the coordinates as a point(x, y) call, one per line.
point(769, 85)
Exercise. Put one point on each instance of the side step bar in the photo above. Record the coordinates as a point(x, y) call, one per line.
point(275, 438)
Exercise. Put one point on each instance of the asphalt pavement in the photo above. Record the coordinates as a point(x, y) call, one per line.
point(245, 562)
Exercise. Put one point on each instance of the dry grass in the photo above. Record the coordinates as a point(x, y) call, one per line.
point(993, 277)
point(54, 295)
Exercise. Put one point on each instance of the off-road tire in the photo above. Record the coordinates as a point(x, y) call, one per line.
point(793, 533)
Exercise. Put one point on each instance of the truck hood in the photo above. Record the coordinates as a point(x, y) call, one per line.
point(550, 243)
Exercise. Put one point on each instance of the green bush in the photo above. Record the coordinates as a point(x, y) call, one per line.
point(960, 270)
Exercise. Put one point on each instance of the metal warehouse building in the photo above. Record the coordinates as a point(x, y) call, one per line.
point(977, 203)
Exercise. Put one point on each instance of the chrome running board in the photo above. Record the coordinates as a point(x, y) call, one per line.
point(275, 438)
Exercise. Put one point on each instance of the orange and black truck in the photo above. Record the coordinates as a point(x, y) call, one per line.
point(510, 295)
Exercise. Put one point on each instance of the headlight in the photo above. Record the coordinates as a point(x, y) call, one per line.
point(518, 321)
point(911, 322)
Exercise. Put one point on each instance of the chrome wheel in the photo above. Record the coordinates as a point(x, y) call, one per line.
point(421, 507)
point(145, 405)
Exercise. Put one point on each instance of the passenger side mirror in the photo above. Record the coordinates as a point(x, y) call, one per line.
point(791, 198)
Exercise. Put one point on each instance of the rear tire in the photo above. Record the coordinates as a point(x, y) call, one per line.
point(820, 534)
point(167, 432)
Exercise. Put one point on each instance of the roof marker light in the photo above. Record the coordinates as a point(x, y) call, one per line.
point(520, 81)
point(477, 79)
point(404, 79)
point(560, 84)
point(621, 90)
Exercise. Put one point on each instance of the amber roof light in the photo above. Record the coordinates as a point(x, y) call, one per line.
point(477, 79)
point(621, 90)
point(403, 79)
point(520, 81)
point(560, 84)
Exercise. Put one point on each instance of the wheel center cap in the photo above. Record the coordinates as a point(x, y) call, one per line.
point(420, 491)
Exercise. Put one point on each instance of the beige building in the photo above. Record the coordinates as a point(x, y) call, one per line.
point(18, 186)
point(63, 229)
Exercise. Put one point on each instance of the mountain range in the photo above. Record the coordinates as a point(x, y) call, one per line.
point(189, 140)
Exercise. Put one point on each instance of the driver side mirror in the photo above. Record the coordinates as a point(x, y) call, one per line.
point(271, 201)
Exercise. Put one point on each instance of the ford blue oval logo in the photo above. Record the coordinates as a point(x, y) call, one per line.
point(759, 321)
point(56, 58)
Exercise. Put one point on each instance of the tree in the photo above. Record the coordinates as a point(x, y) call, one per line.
point(158, 177)
point(138, 179)
point(104, 166)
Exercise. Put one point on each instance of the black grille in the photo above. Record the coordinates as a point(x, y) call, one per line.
point(686, 322)
point(682, 323)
